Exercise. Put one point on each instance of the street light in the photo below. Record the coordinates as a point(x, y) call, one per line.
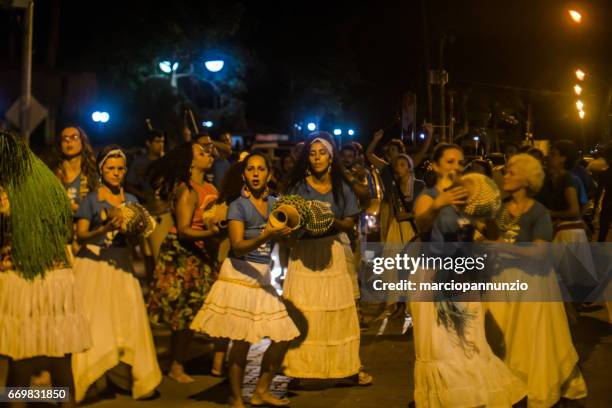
point(580, 74)
point(576, 16)
point(100, 117)
point(579, 105)
point(214, 65)
point(167, 67)
point(577, 89)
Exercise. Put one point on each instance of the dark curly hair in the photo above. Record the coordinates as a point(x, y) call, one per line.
point(172, 169)
point(302, 166)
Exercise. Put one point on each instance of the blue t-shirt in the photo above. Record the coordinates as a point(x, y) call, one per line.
point(242, 209)
point(91, 209)
point(73, 189)
point(534, 224)
point(580, 190)
point(219, 168)
point(346, 207)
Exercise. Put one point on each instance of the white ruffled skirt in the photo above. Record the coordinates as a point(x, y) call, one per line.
point(114, 306)
point(536, 342)
point(243, 305)
point(320, 288)
point(41, 317)
point(455, 372)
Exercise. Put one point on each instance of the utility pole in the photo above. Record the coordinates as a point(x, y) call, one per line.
point(427, 60)
point(529, 124)
point(26, 73)
point(451, 125)
point(442, 91)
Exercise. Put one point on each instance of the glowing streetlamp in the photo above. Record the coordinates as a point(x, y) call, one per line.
point(576, 16)
point(167, 67)
point(580, 74)
point(579, 105)
point(100, 117)
point(214, 65)
point(577, 89)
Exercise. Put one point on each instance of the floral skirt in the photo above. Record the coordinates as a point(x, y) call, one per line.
point(183, 277)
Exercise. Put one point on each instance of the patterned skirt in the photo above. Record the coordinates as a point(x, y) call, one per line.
point(183, 277)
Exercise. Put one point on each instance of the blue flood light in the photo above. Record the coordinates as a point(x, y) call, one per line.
point(214, 65)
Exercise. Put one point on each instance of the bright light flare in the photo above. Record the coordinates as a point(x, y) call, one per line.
point(577, 89)
point(576, 16)
point(337, 132)
point(312, 127)
point(579, 105)
point(581, 114)
point(100, 117)
point(215, 65)
point(580, 74)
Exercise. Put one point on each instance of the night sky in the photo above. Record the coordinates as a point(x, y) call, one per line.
point(368, 52)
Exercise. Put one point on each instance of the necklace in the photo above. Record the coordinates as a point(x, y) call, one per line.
point(509, 223)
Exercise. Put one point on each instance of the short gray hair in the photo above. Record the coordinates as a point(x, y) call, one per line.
point(531, 169)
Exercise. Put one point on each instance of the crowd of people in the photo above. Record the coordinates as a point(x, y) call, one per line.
point(72, 309)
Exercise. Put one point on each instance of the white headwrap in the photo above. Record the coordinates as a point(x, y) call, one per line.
point(112, 153)
point(328, 146)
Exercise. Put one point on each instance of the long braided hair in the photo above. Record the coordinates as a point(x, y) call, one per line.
point(38, 224)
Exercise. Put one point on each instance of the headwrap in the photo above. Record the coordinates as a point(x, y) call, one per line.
point(410, 182)
point(328, 146)
point(112, 153)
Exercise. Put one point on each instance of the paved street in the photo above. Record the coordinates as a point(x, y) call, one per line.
point(389, 357)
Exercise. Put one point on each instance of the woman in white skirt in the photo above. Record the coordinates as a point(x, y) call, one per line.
point(572, 250)
point(242, 304)
point(41, 321)
point(110, 293)
point(535, 342)
point(318, 283)
point(455, 366)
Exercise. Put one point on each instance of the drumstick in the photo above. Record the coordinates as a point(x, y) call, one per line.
point(193, 121)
